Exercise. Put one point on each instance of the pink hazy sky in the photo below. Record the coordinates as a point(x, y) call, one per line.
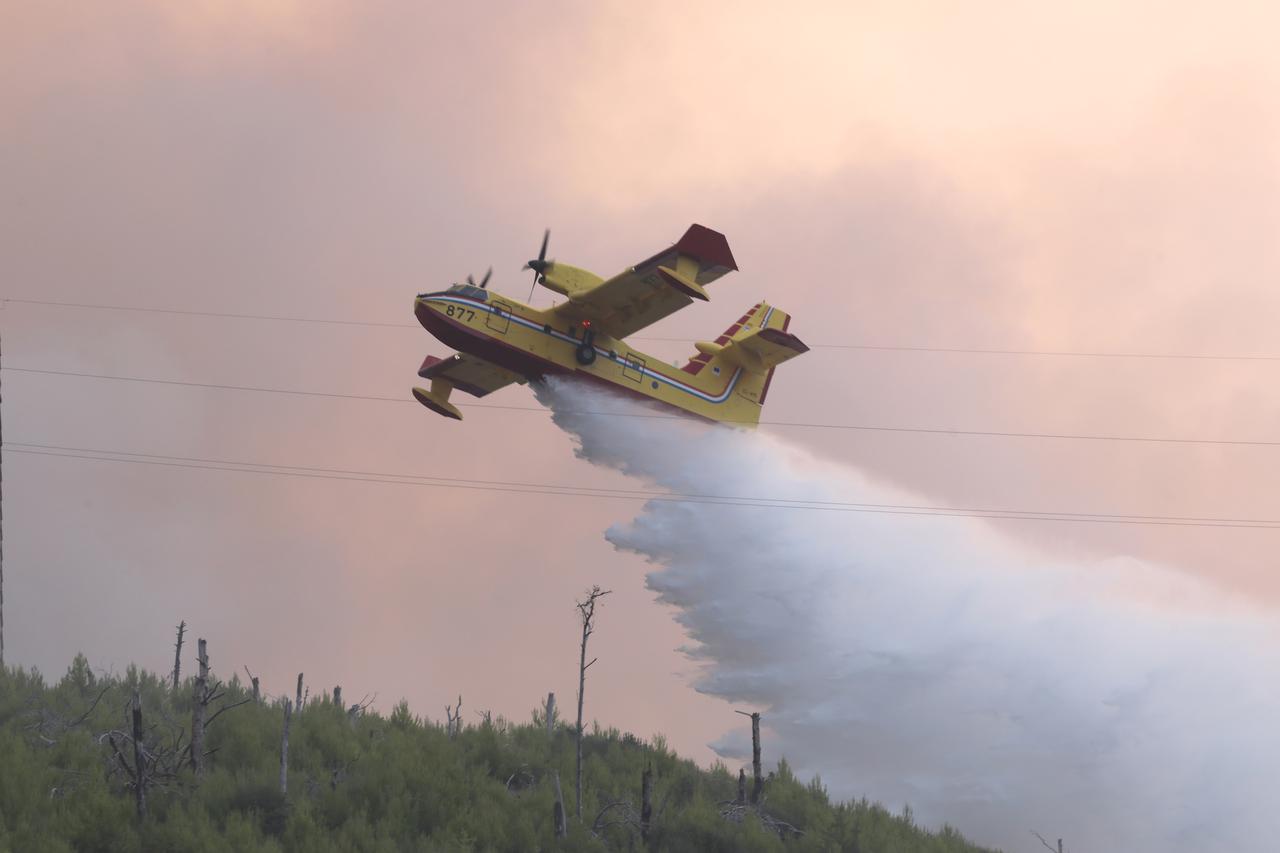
point(1087, 177)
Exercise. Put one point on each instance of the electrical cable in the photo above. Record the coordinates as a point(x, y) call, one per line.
point(654, 415)
point(200, 463)
point(871, 347)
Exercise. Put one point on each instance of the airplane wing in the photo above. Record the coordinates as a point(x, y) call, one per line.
point(656, 287)
point(468, 373)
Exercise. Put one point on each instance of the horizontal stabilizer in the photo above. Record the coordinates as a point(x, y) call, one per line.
point(757, 342)
point(761, 349)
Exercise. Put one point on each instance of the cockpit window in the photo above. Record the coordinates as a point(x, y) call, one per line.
point(473, 292)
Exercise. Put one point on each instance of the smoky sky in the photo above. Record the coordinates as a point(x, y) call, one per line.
point(1001, 178)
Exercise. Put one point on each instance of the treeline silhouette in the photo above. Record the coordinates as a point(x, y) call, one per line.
point(105, 763)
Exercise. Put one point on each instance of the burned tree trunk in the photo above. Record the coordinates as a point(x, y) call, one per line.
point(205, 692)
point(454, 716)
point(297, 702)
point(199, 707)
point(757, 785)
point(1046, 844)
point(136, 773)
point(587, 610)
point(284, 748)
point(558, 818)
point(551, 714)
point(646, 803)
point(742, 787)
point(337, 696)
point(177, 654)
point(139, 758)
point(253, 679)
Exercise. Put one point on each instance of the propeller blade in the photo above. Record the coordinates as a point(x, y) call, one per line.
point(540, 265)
point(471, 281)
point(484, 282)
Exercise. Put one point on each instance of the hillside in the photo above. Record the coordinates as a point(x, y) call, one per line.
point(360, 781)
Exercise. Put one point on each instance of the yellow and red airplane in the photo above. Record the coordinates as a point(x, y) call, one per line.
point(501, 340)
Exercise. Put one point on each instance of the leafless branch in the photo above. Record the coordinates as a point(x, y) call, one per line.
point(628, 819)
point(128, 771)
point(1047, 845)
point(223, 709)
point(587, 610)
point(736, 812)
point(521, 774)
point(80, 719)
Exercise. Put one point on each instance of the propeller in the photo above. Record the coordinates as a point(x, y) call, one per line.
point(540, 264)
point(484, 282)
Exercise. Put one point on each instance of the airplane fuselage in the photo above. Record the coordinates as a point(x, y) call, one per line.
point(536, 342)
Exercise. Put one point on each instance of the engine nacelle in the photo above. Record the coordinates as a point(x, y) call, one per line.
point(568, 281)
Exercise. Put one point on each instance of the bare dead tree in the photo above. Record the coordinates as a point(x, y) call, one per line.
point(1047, 845)
point(205, 693)
point(337, 695)
point(549, 711)
point(454, 717)
point(253, 679)
point(587, 611)
point(297, 702)
point(736, 810)
point(646, 803)
point(145, 768)
point(757, 785)
point(284, 748)
point(177, 654)
point(200, 707)
point(139, 762)
point(558, 819)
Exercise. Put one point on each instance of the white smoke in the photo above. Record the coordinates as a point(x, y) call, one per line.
point(929, 661)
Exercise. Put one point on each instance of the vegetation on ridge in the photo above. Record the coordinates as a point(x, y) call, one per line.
point(361, 781)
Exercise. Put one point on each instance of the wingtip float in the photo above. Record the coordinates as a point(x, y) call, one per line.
point(501, 340)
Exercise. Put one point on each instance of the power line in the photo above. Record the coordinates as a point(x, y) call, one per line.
point(200, 463)
point(213, 385)
point(225, 315)
point(869, 347)
point(769, 423)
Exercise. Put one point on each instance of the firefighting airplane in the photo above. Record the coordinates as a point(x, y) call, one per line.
point(501, 340)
